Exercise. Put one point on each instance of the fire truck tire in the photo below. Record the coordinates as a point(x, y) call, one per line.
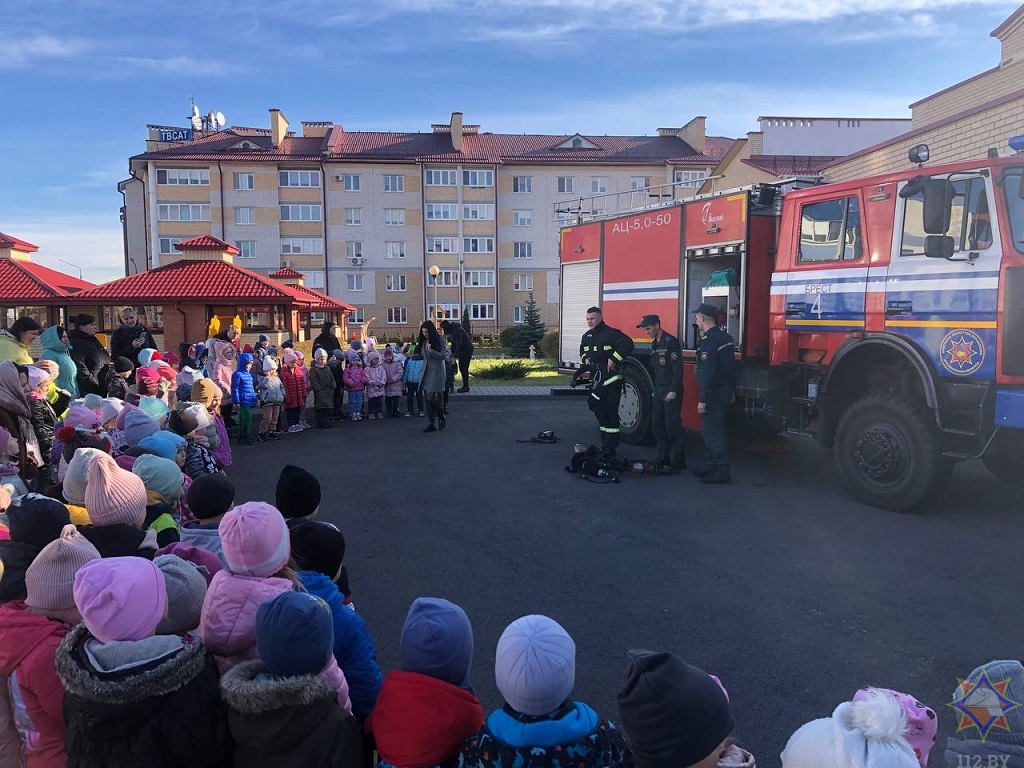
point(888, 453)
point(635, 405)
point(1002, 458)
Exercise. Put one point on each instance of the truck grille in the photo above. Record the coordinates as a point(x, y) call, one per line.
point(1013, 322)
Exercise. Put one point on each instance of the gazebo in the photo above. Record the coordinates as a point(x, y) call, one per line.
point(324, 307)
point(28, 289)
point(180, 298)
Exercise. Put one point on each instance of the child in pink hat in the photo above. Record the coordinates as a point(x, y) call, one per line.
point(116, 503)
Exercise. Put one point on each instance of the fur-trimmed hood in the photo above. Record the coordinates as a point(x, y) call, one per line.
point(247, 688)
point(152, 667)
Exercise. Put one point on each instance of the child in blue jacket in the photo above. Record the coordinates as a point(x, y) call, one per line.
point(243, 394)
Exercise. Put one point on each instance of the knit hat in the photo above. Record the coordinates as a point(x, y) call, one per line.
point(262, 337)
point(269, 364)
point(338, 354)
point(92, 401)
point(860, 734)
point(146, 356)
point(437, 640)
point(123, 415)
point(110, 408)
point(113, 495)
point(165, 443)
point(210, 495)
point(146, 378)
point(317, 546)
point(50, 579)
point(374, 355)
point(36, 376)
point(203, 419)
point(289, 357)
point(535, 665)
point(37, 519)
point(203, 560)
point(159, 475)
point(138, 425)
point(154, 407)
point(120, 598)
point(76, 479)
point(182, 422)
point(319, 352)
point(298, 492)
point(675, 714)
point(255, 539)
point(989, 718)
point(123, 365)
point(49, 366)
point(287, 344)
point(204, 391)
point(922, 723)
point(295, 634)
point(80, 416)
point(127, 461)
point(186, 590)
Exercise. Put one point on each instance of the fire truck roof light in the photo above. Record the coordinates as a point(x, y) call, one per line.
point(1016, 143)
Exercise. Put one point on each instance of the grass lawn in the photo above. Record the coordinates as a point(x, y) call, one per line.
point(539, 373)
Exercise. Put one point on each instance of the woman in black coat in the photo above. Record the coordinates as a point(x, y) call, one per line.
point(131, 337)
point(89, 355)
point(327, 341)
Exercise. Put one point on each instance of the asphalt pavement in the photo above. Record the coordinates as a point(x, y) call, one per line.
point(793, 594)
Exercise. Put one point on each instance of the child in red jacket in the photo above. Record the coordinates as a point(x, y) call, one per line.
point(295, 390)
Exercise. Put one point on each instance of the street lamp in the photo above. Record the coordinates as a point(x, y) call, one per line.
point(72, 265)
point(434, 271)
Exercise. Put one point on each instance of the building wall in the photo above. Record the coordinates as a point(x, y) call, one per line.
point(736, 173)
point(969, 94)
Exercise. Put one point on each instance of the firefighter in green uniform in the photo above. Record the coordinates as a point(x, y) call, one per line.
point(667, 397)
point(716, 375)
point(603, 349)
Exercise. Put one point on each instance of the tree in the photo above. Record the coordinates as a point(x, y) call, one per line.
point(531, 331)
point(465, 321)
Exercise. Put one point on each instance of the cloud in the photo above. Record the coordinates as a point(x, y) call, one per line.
point(25, 52)
point(89, 242)
point(172, 66)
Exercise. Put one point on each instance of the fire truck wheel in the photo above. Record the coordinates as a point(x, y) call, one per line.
point(888, 454)
point(635, 405)
point(1002, 458)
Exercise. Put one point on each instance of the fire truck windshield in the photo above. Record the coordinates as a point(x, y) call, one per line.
point(1013, 186)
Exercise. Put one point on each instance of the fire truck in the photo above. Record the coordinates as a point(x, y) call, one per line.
point(883, 317)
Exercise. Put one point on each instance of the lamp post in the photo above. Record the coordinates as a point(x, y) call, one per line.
point(72, 265)
point(434, 271)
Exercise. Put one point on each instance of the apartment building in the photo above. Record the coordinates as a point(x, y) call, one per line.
point(366, 215)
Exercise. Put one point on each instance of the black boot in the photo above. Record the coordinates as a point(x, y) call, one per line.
point(441, 421)
point(661, 463)
point(430, 427)
point(720, 476)
point(706, 471)
point(679, 462)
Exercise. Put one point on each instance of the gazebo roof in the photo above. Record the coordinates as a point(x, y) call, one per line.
point(22, 281)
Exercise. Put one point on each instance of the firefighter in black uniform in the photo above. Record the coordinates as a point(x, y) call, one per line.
point(603, 349)
point(667, 397)
point(716, 374)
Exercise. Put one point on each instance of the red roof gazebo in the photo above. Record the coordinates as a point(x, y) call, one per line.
point(31, 289)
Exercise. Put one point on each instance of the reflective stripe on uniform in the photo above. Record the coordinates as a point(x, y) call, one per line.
point(617, 356)
point(609, 429)
point(612, 379)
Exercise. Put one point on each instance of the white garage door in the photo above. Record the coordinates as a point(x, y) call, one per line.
point(580, 291)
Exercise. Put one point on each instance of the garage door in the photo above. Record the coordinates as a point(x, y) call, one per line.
point(580, 291)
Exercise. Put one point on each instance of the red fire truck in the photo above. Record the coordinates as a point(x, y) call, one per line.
point(882, 316)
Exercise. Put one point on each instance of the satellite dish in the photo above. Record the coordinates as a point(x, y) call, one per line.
point(197, 122)
point(221, 120)
point(195, 111)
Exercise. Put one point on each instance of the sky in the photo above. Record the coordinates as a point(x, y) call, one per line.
point(81, 79)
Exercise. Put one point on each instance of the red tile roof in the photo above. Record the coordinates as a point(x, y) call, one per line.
point(196, 282)
point(7, 241)
point(789, 165)
point(286, 272)
point(324, 303)
point(23, 281)
point(207, 243)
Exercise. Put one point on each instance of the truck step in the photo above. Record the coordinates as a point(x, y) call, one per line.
point(804, 400)
point(960, 455)
point(968, 432)
point(801, 432)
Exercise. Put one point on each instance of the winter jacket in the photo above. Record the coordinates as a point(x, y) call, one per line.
point(121, 540)
point(323, 386)
point(290, 722)
point(16, 556)
point(413, 370)
point(271, 391)
point(153, 702)
point(462, 344)
point(376, 377)
point(221, 363)
point(10, 742)
point(295, 390)
point(243, 388)
point(222, 451)
point(259, 354)
point(353, 646)
point(506, 740)
point(328, 342)
point(432, 379)
point(199, 460)
point(13, 350)
point(205, 538)
point(394, 371)
point(422, 721)
point(90, 357)
point(117, 386)
point(354, 378)
point(228, 623)
point(56, 350)
point(28, 643)
point(44, 422)
point(121, 342)
point(160, 519)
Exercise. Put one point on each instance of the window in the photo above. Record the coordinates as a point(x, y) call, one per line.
point(444, 312)
point(446, 278)
point(446, 211)
point(350, 182)
point(637, 183)
point(830, 230)
point(442, 244)
point(183, 212)
point(300, 213)
point(394, 217)
point(567, 184)
point(353, 249)
point(478, 178)
point(298, 178)
point(394, 250)
point(183, 177)
point(478, 212)
point(394, 182)
point(576, 143)
point(397, 316)
point(522, 250)
point(357, 315)
point(262, 318)
point(690, 178)
point(438, 178)
point(478, 245)
point(479, 278)
point(246, 249)
point(315, 279)
point(245, 215)
point(293, 245)
point(522, 183)
point(970, 224)
point(396, 282)
point(244, 181)
point(480, 311)
point(354, 281)
point(522, 283)
point(522, 218)
point(518, 314)
point(599, 184)
point(167, 243)
point(353, 216)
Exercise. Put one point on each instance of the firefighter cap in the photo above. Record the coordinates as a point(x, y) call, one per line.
point(649, 320)
point(708, 310)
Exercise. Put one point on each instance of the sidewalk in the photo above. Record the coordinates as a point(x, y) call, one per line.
point(514, 391)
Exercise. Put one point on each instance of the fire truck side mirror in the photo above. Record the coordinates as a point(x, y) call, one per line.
point(938, 205)
point(938, 247)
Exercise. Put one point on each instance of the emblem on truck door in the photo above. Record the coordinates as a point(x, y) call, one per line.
point(962, 352)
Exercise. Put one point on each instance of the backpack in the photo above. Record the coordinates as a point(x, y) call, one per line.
point(586, 463)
